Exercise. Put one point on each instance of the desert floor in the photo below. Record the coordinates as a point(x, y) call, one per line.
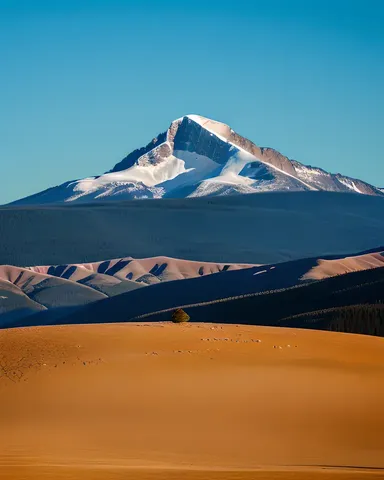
point(196, 401)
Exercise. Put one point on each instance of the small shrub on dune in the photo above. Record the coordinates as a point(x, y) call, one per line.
point(179, 316)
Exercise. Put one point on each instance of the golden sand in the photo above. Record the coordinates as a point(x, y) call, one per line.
point(195, 401)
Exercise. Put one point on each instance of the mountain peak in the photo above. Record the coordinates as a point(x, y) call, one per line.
point(198, 156)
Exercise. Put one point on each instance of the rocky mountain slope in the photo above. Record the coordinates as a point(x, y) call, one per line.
point(196, 157)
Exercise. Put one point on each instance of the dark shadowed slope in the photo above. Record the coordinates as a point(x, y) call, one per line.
point(25, 292)
point(196, 291)
point(15, 305)
point(316, 305)
point(63, 287)
point(260, 228)
point(47, 290)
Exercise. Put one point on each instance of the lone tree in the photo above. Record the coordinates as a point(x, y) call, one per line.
point(179, 316)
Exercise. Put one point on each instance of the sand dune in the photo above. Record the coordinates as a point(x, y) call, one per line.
point(15, 304)
point(162, 269)
point(157, 401)
point(142, 270)
point(63, 286)
point(250, 292)
point(30, 292)
point(48, 290)
point(330, 268)
point(105, 283)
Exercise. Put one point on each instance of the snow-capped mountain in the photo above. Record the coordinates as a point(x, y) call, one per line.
point(199, 157)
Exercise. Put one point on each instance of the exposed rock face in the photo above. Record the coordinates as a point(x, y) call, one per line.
point(188, 135)
point(192, 137)
point(132, 157)
point(197, 156)
point(269, 155)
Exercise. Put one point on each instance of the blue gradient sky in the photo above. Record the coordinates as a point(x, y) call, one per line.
point(82, 83)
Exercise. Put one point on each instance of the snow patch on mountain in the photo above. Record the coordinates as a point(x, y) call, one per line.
point(349, 183)
point(221, 130)
point(197, 156)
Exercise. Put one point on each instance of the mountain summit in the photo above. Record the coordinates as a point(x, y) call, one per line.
point(195, 157)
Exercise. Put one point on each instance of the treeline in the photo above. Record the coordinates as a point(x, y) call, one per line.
point(294, 307)
point(365, 319)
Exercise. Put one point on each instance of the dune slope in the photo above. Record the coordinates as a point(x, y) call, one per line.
point(139, 270)
point(156, 401)
point(64, 288)
point(262, 295)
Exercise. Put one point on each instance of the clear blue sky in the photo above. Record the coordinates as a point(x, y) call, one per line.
point(82, 83)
